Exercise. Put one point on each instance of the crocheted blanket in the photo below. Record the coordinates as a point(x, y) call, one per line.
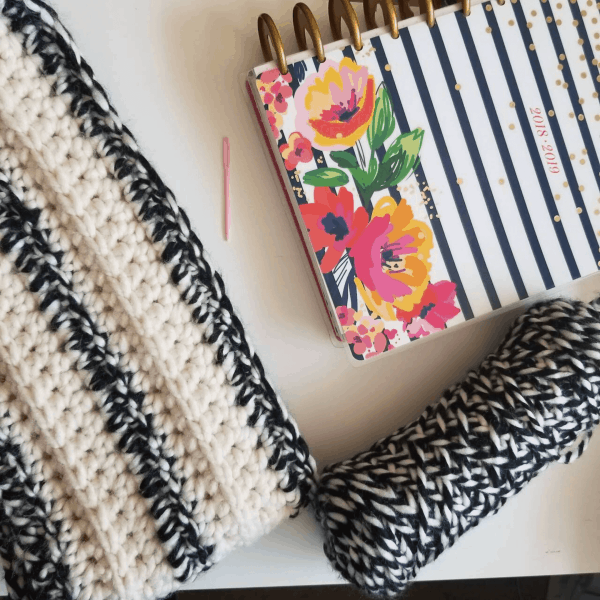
point(140, 441)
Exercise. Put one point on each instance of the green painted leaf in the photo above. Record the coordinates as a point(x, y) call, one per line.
point(328, 177)
point(344, 159)
point(383, 122)
point(401, 158)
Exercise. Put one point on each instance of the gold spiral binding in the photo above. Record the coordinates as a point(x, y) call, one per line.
point(342, 9)
point(339, 10)
point(389, 13)
point(267, 29)
point(305, 21)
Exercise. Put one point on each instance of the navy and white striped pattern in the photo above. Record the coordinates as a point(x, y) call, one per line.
point(141, 440)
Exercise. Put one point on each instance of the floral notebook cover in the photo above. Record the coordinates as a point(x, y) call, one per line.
point(447, 173)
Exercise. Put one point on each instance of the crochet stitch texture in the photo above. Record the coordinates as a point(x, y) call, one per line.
point(140, 440)
point(389, 511)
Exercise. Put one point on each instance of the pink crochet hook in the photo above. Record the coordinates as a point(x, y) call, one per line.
point(226, 163)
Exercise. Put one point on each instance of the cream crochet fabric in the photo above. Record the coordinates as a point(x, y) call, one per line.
point(139, 439)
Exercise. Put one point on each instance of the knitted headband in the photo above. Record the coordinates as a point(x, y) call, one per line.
point(139, 438)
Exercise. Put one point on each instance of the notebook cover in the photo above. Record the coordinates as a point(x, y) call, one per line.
point(448, 173)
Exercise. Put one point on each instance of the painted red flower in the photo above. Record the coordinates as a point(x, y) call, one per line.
point(433, 312)
point(333, 223)
point(297, 149)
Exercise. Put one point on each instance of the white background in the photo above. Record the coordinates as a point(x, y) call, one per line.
point(173, 71)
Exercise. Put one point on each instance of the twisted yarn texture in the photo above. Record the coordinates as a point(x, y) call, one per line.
point(391, 510)
point(140, 440)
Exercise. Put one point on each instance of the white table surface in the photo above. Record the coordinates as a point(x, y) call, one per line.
point(172, 69)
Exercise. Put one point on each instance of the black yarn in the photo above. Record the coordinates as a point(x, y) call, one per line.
point(391, 510)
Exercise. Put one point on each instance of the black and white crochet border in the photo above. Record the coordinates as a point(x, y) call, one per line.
point(202, 288)
point(29, 247)
point(30, 549)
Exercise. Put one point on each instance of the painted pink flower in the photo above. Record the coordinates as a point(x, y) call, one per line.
point(333, 223)
point(391, 259)
point(297, 149)
point(335, 106)
point(433, 312)
point(360, 343)
point(270, 76)
point(345, 315)
point(380, 343)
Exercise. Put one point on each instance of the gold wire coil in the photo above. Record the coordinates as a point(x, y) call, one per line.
point(267, 29)
point(342, 9)
point(467, 7)
point(389, 13)
point(427, 7)
point(305, 21)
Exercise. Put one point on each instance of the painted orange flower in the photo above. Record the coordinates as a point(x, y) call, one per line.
point(391, 259)
point(335, 106)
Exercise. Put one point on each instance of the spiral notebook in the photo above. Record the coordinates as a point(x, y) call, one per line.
point(446, 173)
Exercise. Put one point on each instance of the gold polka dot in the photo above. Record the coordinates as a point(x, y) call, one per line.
point(598, 78)
point(512, 104)
point(559, 67)
point(597, 46)
point(597, 35)
point(572, 157)
point(388, 67)
point(559, 5)
point(595, 62)
point(430, 217)
point(580, 42)
point(561, 57)
point(594, 20)
point(511, 22)
point(511, 126)
point(565, 85)
point(584, 152)
point(581, 188)
point(584, 13)
point(501, 181)
point(488, 30)
point(557, 196)
point(582, 57)
point(589, 2)
point(583, 75)
point(599, 263)
point(575, 23)
point(597, 117)
point(558, 82)
point(565, 184)
point(581, 100)
point(548, 19)
point(488, 7)
point(572, 115)
point(580, 117)
point(457, 86)
point(579, 210)
point(532, 47)
point(558, 22)
point(557, 218)
point(595, 95)
point(550, 113)
point(529, 24)
point(533, 13)
point(459, 181)
point(582, 161)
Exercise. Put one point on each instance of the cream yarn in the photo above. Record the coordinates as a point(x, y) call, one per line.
point(140, 441)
